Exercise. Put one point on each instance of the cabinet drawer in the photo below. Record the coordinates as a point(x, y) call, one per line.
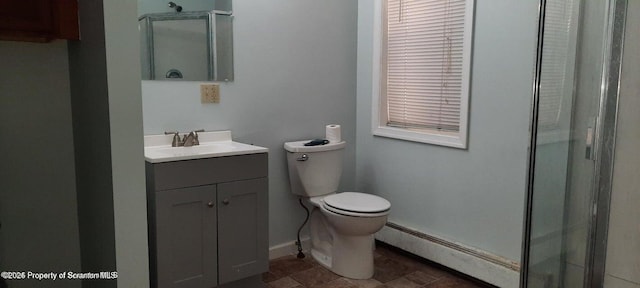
point(171, 175)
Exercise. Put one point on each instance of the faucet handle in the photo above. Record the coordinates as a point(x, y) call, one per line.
point(195, 136)
point(176, 139)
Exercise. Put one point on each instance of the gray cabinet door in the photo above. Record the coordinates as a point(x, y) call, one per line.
point(242, 229)
point(186, 237)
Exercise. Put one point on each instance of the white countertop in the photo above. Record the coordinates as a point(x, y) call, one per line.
point(157, 148)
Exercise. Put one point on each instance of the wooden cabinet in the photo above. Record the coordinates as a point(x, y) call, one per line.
point(208, 221)
point(38, 20)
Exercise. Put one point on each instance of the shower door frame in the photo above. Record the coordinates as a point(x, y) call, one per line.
point(172, 16)
point(604, 145)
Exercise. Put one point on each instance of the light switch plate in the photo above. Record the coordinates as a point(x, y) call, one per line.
point(210, 93)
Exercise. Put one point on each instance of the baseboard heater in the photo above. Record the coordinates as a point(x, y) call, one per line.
point(480, 264)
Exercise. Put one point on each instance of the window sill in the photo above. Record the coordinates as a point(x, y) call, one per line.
point(434, 137)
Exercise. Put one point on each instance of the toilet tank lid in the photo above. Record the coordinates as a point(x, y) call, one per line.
point(298, 146)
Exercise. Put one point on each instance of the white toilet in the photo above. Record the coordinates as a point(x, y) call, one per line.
point(342, 224)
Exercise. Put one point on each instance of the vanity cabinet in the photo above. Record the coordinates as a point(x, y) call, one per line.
point(186, 237)
point(39, 20)
point(208, 221)
point(242, 212)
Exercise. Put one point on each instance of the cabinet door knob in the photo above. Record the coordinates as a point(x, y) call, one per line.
point(225, 201)
point(210, 204)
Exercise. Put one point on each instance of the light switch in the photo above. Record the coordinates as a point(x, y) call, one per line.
point(210, 93)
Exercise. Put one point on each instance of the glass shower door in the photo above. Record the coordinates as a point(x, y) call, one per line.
point(571, 82)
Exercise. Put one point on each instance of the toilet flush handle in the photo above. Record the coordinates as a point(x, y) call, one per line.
point(304, 157)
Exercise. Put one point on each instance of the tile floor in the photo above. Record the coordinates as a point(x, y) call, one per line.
point(393, 269)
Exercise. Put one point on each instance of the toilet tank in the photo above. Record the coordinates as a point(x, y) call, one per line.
point(314, 170)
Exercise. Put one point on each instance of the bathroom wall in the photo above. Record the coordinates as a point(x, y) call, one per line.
point(38, 207)
point(473, 197)
point(107, 122)
point(295, 72)
point(126, 141)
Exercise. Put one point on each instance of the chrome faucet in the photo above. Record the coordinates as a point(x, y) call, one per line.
point(188, 140)
point(176, 142)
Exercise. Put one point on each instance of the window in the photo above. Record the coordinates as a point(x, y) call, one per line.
point(557, 77)
point(423, 53)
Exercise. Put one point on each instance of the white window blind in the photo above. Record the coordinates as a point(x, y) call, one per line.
point(556, 80)
point(424, 63)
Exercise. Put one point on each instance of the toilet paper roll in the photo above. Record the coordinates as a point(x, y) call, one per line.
point(333, 133)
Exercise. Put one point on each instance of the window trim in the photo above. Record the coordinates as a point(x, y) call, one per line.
point(379, 109)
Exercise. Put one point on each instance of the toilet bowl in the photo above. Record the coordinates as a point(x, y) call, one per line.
point(350, 252)
point(342, 224)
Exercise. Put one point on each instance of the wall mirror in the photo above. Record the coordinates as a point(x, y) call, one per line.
point(186, 40)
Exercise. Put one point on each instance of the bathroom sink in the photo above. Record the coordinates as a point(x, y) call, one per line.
point(157, 148)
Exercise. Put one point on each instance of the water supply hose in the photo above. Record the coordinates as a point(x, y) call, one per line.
point(300, 254)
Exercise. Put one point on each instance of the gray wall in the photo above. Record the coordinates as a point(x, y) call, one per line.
point(127, 152)
point(107, 123)
point(474, 197)
point(295, 72)
point(89, 100)
point(38, 208)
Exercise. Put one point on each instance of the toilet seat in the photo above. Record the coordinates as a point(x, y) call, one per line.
point(356, 204)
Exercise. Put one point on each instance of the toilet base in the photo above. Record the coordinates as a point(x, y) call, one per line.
point(323, 259)
point(355, 259)
point(356, 256)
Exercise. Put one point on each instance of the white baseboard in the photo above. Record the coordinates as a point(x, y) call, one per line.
point(288, 248)
point(479, 264)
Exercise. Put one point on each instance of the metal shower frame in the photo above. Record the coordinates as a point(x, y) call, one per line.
point(605, 136)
